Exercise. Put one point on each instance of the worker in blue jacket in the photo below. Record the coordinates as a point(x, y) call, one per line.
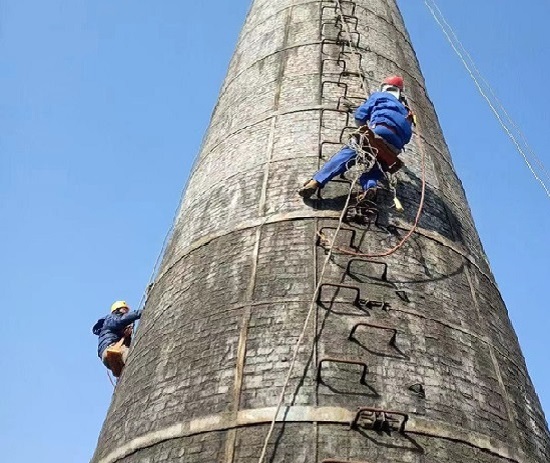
point(387, 115)
point(115, 328)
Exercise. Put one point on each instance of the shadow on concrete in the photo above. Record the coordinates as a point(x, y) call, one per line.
point(437, 216)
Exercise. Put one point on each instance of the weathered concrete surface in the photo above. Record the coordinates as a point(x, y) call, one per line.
point(235, 284)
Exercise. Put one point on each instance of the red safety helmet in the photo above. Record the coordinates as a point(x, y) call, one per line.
point(396, 81)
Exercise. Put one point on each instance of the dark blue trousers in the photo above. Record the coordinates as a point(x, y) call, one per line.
point(345, 158)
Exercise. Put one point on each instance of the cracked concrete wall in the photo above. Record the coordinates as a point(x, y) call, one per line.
point(237, 278)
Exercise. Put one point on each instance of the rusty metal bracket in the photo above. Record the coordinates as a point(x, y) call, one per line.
point(344, 54)
point(380, 419)
point(352, 74)
point(340, 62)
point(370, 304)
point(343, 3)
point(362, 214)
point(338, 83)
point(349, 19)
point(339, 43)
point(403, 296)
point(352, 240)
point(358, 302)
point(346, 104)
point(347, 128)
point(365, 370)
point(378, 327)
point(384, 276)
point(351, 39)
point(341, 112)
point(337, 147)
point(346, 3)
point(337, 22)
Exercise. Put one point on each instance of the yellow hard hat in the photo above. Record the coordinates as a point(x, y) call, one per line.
point(118, 305)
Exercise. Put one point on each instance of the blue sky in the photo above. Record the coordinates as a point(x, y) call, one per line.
point(103, 107)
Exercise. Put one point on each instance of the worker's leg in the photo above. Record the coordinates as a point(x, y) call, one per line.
point(370, 179)
point(336, 165)
point(114, 359)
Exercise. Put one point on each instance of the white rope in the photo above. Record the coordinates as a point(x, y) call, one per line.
point(360, 158)
point(493, 93)
point(306, 324)
point(485, 96)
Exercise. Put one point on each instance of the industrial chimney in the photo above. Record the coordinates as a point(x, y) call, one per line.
point(408, 358)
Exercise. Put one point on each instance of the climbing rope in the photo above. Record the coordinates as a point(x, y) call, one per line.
point(472, 71)
point(312, 306)
point(113, 383)
point(496, 99)
point(167, 238)
point(364, 157)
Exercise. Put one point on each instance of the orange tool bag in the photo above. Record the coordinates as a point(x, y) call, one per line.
point(113, 354)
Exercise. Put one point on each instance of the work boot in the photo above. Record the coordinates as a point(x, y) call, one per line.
point(309, 188)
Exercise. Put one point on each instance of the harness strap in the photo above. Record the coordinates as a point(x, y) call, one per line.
point(384, 154)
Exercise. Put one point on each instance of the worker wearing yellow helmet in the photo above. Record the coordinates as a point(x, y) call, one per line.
point(115, 333)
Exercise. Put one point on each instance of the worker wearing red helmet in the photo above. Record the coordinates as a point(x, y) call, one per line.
point(387, 115)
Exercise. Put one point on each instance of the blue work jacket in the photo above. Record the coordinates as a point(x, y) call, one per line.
point(110, 328)
point(384, 108)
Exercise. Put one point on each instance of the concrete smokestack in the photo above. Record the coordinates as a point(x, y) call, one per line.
point(422, 334)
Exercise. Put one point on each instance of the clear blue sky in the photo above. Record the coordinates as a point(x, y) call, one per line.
point(103, 107)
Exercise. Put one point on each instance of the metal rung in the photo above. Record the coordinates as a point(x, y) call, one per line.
point(352, 240)
point(339, 61)
point(380, 419)
point(362, 214)
point(365, 370)
point(351, 128)
point(335, 7)
point(358, 302)
point(335, 82)
point(378, 327)
point(348, 104)
point(339, 112)
point(403, 296)
point(341, 43)
point(344, 3)
point(352, 74)
point(337, 22)
point(349, 19)
point(337, 144)
point(337, 29)
point(348, 38)
point(344, 55)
